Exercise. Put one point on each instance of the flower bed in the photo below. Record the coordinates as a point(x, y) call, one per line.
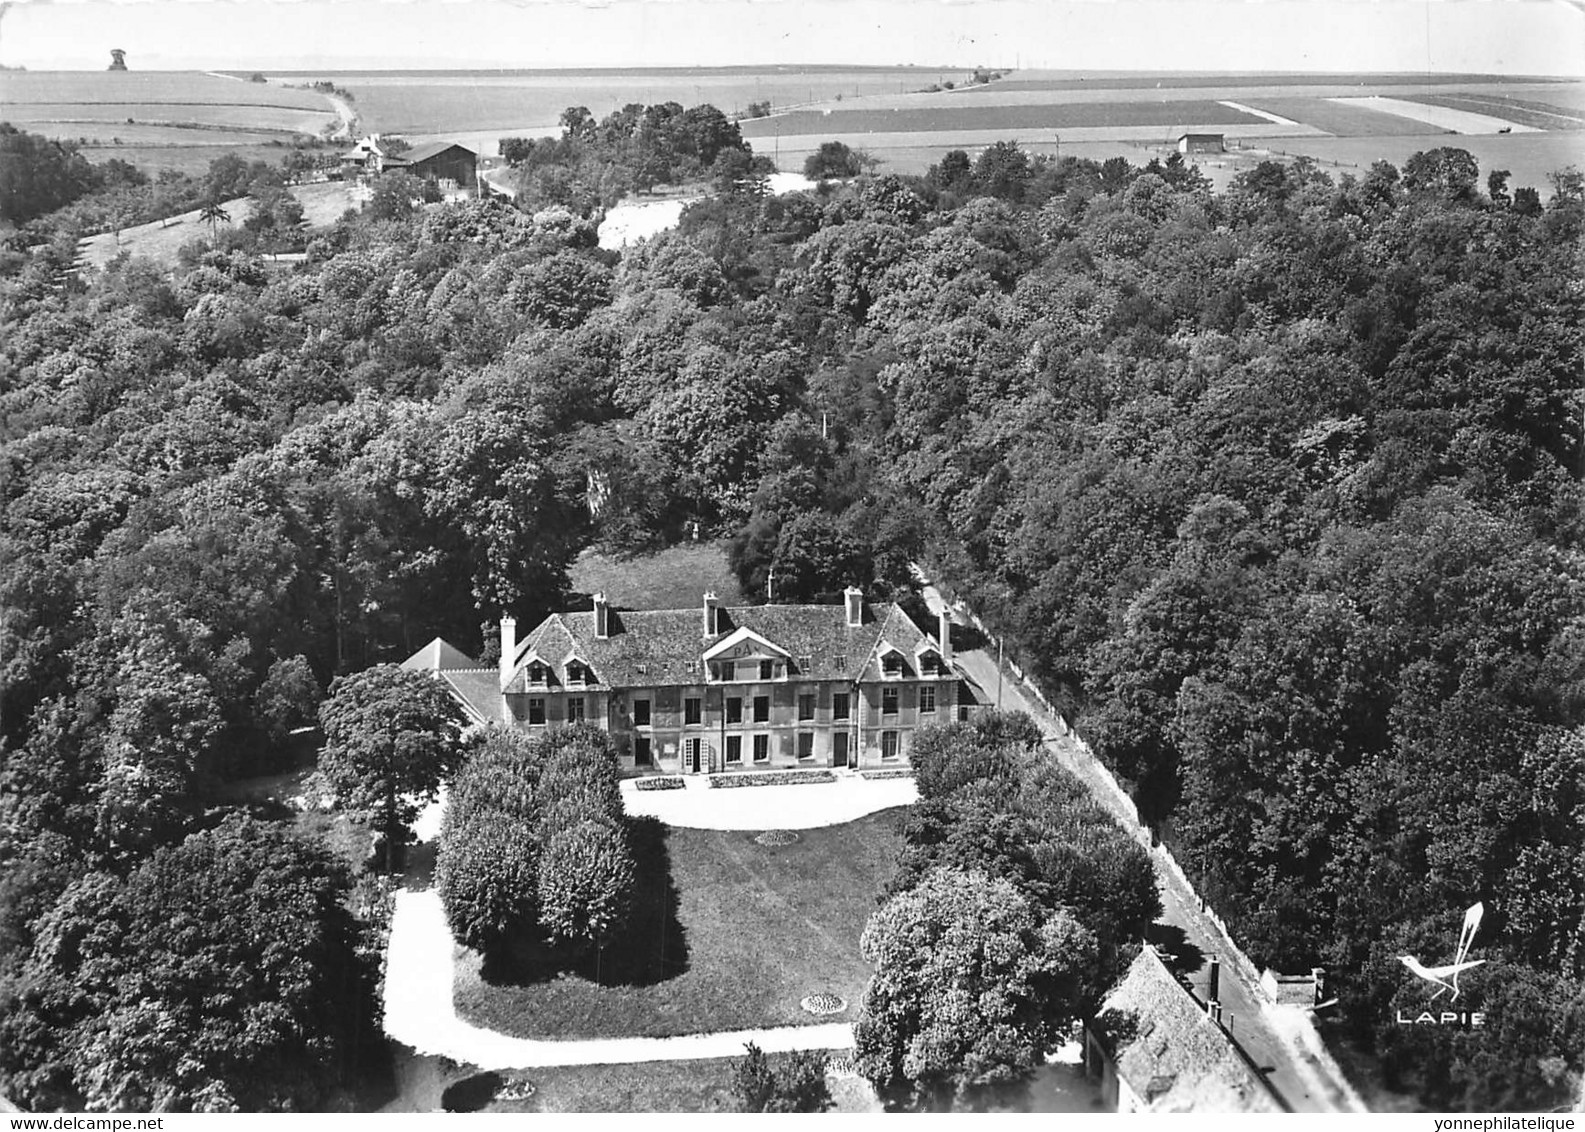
point(889, 772)
point(773, 778)
point(658, 784)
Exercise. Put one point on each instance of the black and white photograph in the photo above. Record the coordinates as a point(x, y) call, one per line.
point(792, 556)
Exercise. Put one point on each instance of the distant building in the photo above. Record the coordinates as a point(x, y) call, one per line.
point(717, 689)
point(1154, 1048)
point(1201, 143)
point(365, 159)
point(451, 166)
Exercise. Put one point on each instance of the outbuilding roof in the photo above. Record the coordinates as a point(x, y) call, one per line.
point(1170, 1053)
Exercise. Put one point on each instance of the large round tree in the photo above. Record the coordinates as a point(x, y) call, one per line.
point(391, 737)
point(974, 984)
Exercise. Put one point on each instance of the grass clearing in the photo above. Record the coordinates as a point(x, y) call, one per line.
point(674, 578)
point(754, 930)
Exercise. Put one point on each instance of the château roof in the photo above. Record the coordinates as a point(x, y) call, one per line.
point(657, 647)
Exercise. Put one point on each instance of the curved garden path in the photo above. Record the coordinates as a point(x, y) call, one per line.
point(420, 1011)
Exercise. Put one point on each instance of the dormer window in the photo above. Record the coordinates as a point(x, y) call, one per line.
point(577, 674)
point(891, 666)
point(930, 664)
point(537, 673)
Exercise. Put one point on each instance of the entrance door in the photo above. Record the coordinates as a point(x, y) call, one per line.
point(693, 755)
point(839, 749)
point(642, 751)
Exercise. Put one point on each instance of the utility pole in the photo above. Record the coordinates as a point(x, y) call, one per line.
point(998, 674)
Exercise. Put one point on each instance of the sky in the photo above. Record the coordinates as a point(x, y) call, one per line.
point(1496, 36)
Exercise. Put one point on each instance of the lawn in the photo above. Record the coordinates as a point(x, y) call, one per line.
point(676, 578)
point(733, 939)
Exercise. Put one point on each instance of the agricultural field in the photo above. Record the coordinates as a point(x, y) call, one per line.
point(164, 119)
point(1529, 126)
point(424, 103)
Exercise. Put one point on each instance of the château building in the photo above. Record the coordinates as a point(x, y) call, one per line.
point(718, 689)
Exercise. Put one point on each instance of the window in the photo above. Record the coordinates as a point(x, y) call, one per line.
point(642, 752)
point(927, 700)
point(734, 709)
point(806, 744)
point(574, 709)
point(576, 673)
point(839, 706)
point(930, 664)
point(640, 713)
point(761, 709)
point(536, 710)
point(806, 706)
point(892, 664)
point(734, 748)
point(761, 748)
point(888, 701)
point(691, 710)
point(888, 744)
point(767, 669)
point(806, 664)
point(840, 662)
point(536, 673)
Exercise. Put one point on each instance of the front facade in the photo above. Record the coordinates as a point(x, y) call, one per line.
point(719, 690)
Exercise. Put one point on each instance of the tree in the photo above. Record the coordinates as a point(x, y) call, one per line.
point(973, 986)
point(833, 159)
point(799, 1085)
point(213, 213)
point(586, 878)
point(222, 974)
point(391, 737)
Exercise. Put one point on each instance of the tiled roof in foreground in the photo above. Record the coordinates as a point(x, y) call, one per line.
point(1173, 1056)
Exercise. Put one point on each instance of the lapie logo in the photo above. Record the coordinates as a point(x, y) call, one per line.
point(1445, 977)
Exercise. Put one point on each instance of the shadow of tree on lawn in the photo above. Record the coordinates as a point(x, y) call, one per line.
point(651, 949)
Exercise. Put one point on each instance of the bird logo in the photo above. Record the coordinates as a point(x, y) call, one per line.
point(1446, 977)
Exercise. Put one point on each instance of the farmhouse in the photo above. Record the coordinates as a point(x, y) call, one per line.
point(451, 166)
point(1155, 1048)
point(367, 158)
point(1201, 143)
point(717, 689)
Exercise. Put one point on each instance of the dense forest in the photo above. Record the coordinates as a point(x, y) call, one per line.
point(1281, 487)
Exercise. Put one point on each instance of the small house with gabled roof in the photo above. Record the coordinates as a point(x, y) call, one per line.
point(718, 689)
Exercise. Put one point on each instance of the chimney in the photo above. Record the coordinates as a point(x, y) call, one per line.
point(944, 634)
point(602, 617)
point(712, 606)
point(508, 647)
point(854, 598)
